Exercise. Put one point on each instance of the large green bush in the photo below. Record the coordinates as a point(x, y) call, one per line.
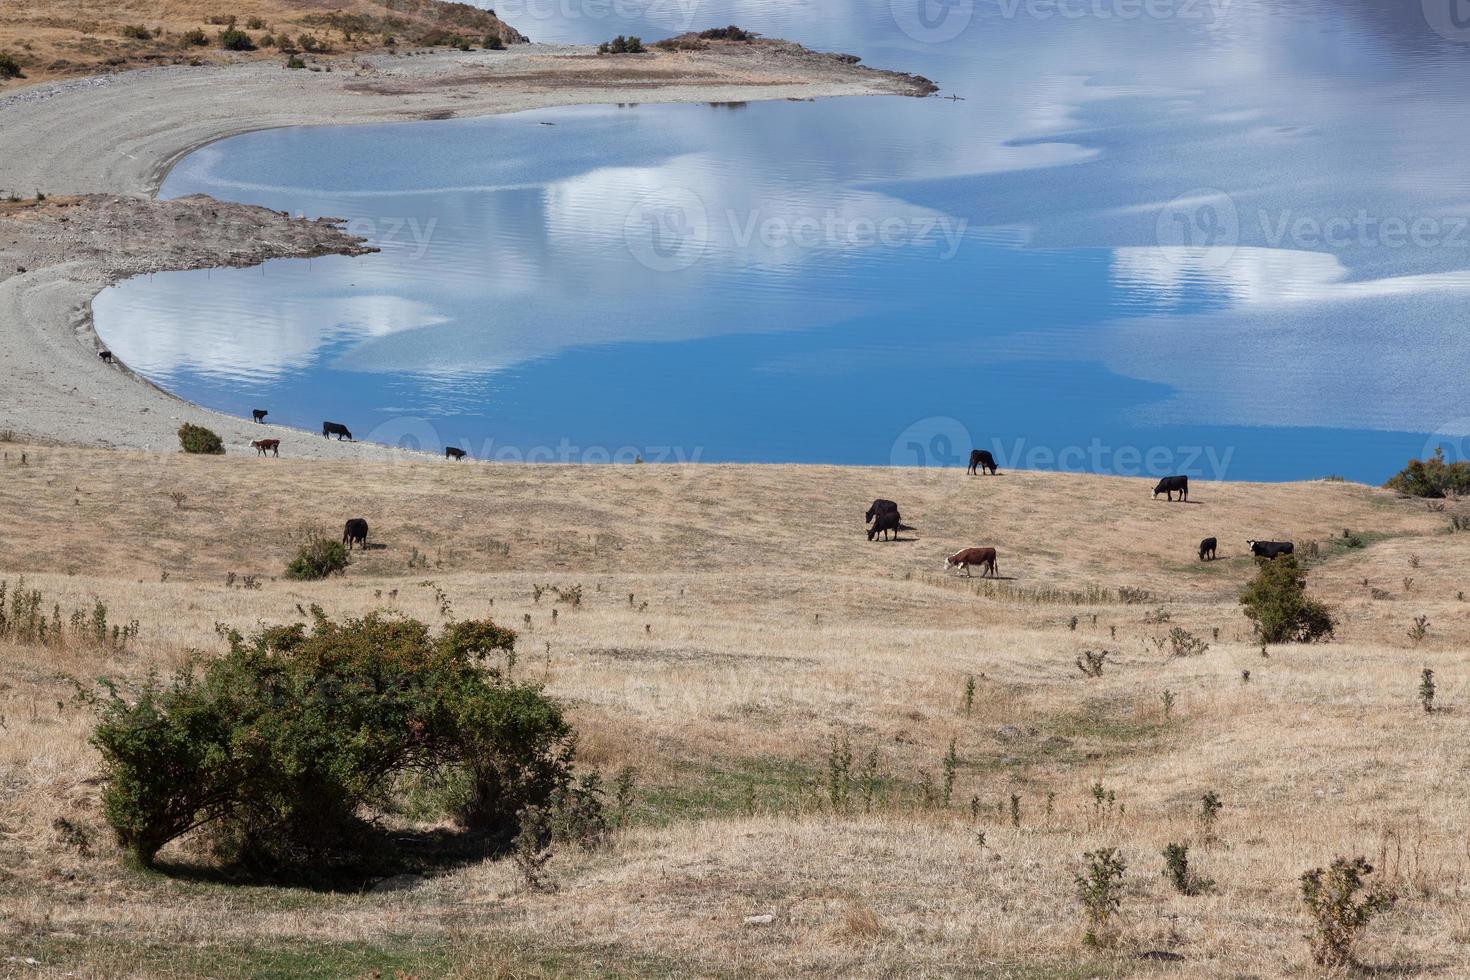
point(1432, 477)
point(234, 39)
point(281, 749)
point(317, 559)
point(1276, 602)
point(198, 439)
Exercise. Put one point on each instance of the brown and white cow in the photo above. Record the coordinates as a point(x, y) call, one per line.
point(263, 446)
point(983, 557)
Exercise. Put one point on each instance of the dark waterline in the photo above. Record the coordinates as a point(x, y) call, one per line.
point(1137, 247)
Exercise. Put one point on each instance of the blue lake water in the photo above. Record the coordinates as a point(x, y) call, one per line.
point(1228, 239)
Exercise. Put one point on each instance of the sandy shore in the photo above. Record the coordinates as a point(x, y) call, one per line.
point(118, 136)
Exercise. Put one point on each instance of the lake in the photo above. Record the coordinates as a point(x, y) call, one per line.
point(1220, 238)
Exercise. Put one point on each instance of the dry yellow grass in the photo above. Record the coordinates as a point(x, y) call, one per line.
point(770, 625)
point(57, 38)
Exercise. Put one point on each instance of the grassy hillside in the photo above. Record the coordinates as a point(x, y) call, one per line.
point(734, 621)
point(58, 38)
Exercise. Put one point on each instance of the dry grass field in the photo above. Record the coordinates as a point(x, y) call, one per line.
point(60, 38)
point(734, 621)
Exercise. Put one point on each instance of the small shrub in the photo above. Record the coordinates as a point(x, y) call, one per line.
point(1091, 664)
point(234, 39)
point(951, 765)
point(1179, 874)
point(1419, 630)
point(295, 63)
point(839, 770)
point(1337, 910)
point(195, 38)
point(1277, 603)
point(200, 441)
point(621, 45)
point(531, 849)
point(1133, 597)
point(1183, 643)
point(9, 67)
point(1426, 690)
point(267, 41)
point(255, 24)
point(1209, 813)
point(969, 696)
point(137, 32)
point(1167, 699)
point(311, 44)
point(1099, 888)
point(492, 42)
point(178, 497)
point(731, 33)
point(624, 787)
point(317, 559)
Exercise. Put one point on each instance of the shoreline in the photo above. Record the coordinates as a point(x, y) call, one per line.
point(146, 121)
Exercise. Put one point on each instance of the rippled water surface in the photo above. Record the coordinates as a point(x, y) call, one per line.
point(1228, 239)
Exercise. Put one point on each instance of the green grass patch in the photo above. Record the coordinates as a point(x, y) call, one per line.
point(729, 787)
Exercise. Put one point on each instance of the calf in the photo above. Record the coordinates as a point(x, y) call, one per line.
point(981, 459)
point(1207, 549)
point(337, 429)
point(355, 532)
point(451, 453)
point(106, 356)
point(1170, 485)
point(1271, 549)
point(259, 414)
point(262, 446)
point(983, 557)
point(889, 521)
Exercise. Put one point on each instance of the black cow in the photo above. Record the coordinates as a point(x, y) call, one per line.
point(451, 453)
point(106, 356)
point(1207, 549)
point(337, 429)
point(887, 522)
point(259, 414)
point(1271, 549)
point(1171, 485)
point(982, 460)
point(880, 506)
point(355, 532)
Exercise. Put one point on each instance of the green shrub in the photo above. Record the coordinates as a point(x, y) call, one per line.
point(295, 63)
point(195, 38)
point(197, 439)
point(282, 749)
point(9, 67)
point(1432, 477)
point(1100, 890)
point(1338, 913)
point(234, 39)
point(137, 32)
point(621, 45)
point(494, 43)
point(731, 33)
point(312, 44)
point(1276, 602)
point(317, 559)
point(255, 24)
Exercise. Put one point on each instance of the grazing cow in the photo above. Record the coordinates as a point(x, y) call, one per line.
point(1170, 485)
point(886, 522)
point(980, 459)
point(880, 506)
point(106, 356)
point(1207, 549)
point(451, 453)
point(337, 429)
point(259, 414)
point(263, 446)
point(1271, 549)
point(983, 557)
point(355, 533)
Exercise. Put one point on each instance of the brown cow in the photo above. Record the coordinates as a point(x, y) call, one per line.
point(984, 557)
point(263, 446)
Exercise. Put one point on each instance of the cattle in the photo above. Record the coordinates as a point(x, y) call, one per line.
point(106, 356)
point(981, 459)
point(337, 429)
point(355, 532)
point(263, 446)
point(1271, 549)
point(886, 522)
point(259, 415)
point(1207, 549)
point(983, 557)
point(1171, 485)
point(451, 453)
point(880, 506)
